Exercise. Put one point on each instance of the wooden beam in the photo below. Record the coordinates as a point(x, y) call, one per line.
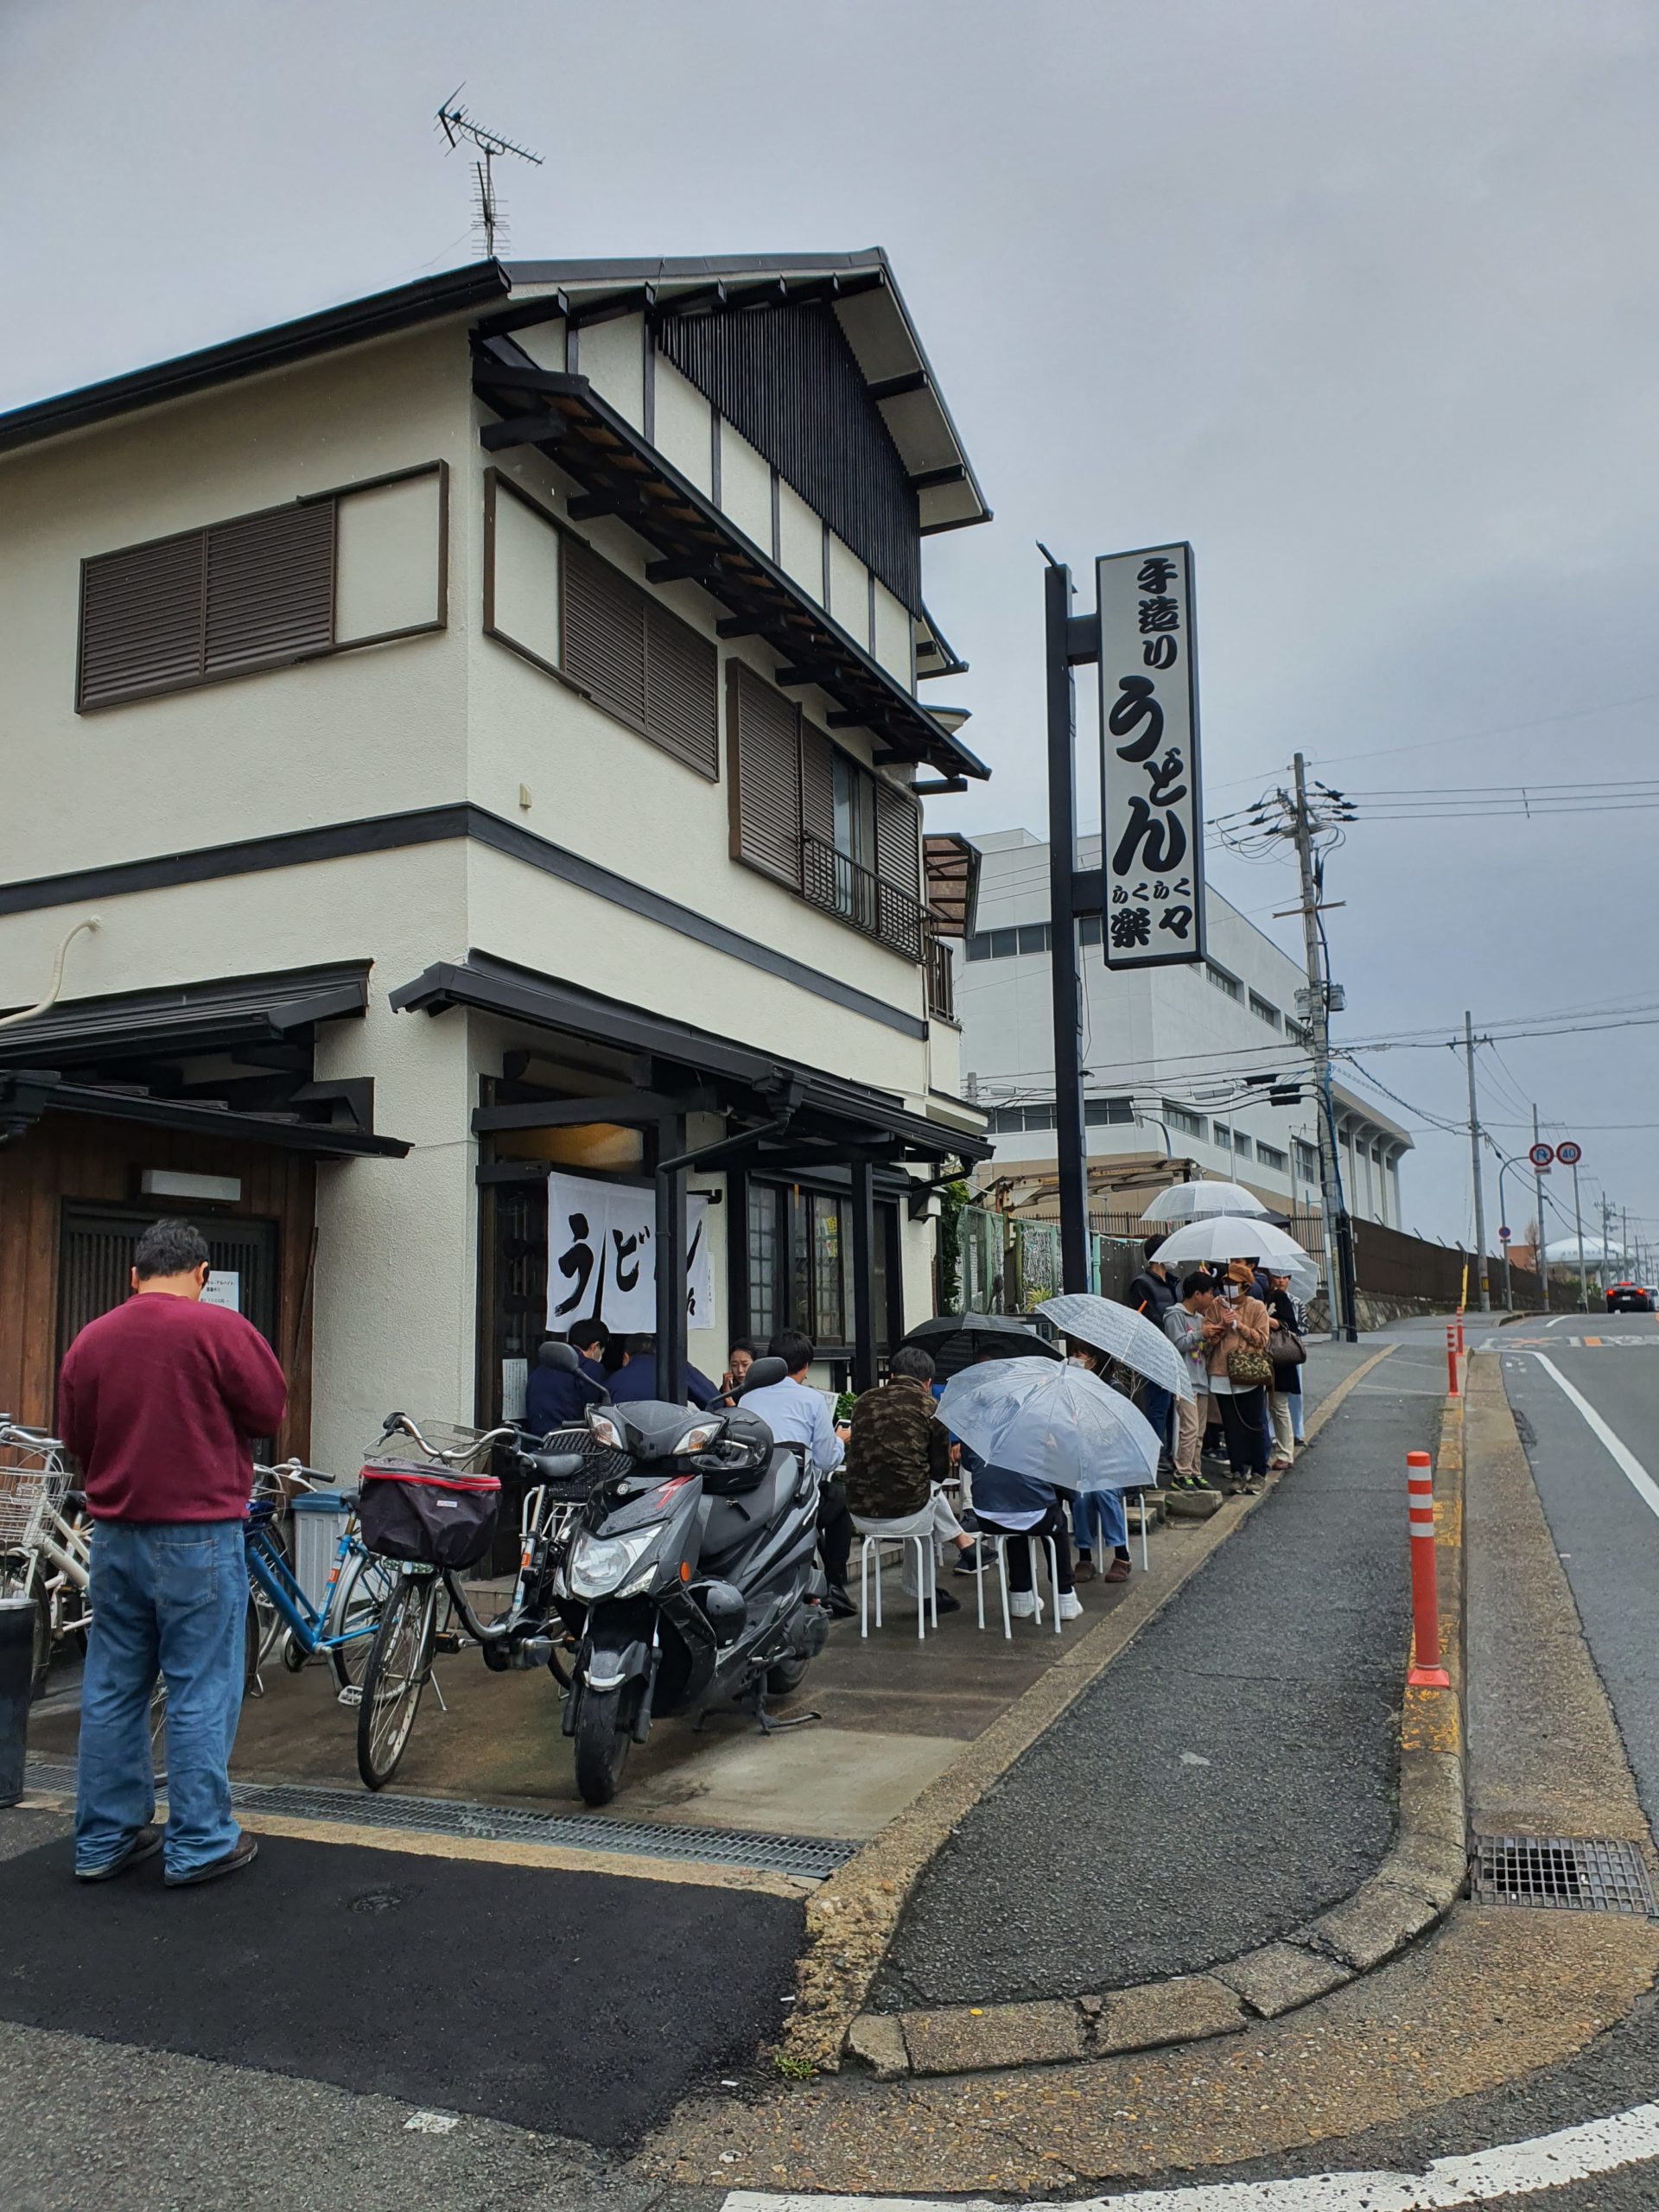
point(897, 387)
point(927, 479)
point(627, 1108)
point(490, 375)
point(614, 500)
point(680, 567)
point(523, 430)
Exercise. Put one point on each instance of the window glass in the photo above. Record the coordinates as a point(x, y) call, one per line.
point(1240, 1144)
point(1270, 1156)
point(1096, 1112)
point(1033, 937)
point(1089, 929)
point(828, 1270)
point(1004, 944)
point(763, 1258)
point(979, 947)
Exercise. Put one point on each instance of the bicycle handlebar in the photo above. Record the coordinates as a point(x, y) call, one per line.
point(410, 1428)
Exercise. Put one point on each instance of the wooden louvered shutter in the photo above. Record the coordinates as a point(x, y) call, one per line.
point(764, 753)
point(898, 863)
point(270, 588)
point(141, 620)
point(682, 691)
point(603, 627)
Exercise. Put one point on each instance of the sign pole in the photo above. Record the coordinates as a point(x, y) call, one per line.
point(1071, 1161)
point(1538, 1192)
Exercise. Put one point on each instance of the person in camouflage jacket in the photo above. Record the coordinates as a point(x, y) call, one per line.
point(898, 1456)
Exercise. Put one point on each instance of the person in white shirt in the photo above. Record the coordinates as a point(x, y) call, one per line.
point(796, 1413)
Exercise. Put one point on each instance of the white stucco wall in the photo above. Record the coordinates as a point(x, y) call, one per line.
point(746, 486)
point(611, 355)
point(682, 433)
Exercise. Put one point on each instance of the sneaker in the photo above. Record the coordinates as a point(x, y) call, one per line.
point(946, 1603)
point(1022, 1604)
point(975, 1561)
point(143, 1844)
point(1084, 1569)
point(838, 1605)
point(242, 1853)
point(1072, 1606)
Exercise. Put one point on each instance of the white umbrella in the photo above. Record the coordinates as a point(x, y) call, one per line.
point(1194, 1201)
point(1122, 1335)
point(1059, 1424)
point(1220, 1237)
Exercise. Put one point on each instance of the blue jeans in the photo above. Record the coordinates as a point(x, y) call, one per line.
point(167, 1598)
point(1157, 1404)
point(1104, 1507)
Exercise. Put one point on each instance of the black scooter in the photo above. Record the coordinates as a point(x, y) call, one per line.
point(697, 1570)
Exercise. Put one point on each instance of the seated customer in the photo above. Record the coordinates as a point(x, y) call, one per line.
point(898, 1456)
point(1006, 1504)
point(555, 1400)
point(631, 1376)
point(796, 1413)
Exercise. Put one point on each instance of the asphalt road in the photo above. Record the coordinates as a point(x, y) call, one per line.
point(1233, 1773)
point(1605, 1529)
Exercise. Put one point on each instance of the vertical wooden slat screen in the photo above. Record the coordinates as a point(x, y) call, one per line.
point(141, 620)
point(270, 586)
point(763, 751)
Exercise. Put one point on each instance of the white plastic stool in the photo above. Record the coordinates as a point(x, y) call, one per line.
point(1031, 1541)
point(927, 1588)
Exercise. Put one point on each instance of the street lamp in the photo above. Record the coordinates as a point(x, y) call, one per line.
point(1504, 1168)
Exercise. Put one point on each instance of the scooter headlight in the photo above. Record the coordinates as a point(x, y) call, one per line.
point(600, 1564)
point(607, 1431)
point(697, 1438)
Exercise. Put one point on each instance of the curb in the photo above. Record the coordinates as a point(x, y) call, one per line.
point(1416, 1886)
point(852, 1918)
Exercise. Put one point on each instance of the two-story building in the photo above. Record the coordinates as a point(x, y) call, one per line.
point(483, 723)
point(1200, 1070)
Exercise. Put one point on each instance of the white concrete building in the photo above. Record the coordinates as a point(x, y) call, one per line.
point(1200, 1069)
point(483, 719)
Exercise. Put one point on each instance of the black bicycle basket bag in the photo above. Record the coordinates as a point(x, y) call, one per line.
point(411, 1511)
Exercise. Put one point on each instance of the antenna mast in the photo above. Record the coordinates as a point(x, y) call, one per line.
point(459, 128)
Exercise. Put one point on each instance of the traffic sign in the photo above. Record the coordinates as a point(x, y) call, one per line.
point(1541, 1154)
point(1569, 1153)
point(1502, 1235)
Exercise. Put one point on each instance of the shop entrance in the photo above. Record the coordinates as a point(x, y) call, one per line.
point(96, 1259)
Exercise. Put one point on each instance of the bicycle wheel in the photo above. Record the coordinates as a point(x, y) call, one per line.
point(398, 1668)
point(366, 1586)
point(271, 1623)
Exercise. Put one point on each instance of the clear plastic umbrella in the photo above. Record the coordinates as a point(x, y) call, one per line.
point(1220, 1237)
point(1122, 1335)
point(1194, 1201)
point(1059, 1424)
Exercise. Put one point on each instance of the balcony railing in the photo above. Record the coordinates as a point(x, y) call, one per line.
point(840, 885)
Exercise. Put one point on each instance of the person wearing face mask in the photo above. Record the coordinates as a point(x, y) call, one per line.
point(1098, 1508)
point(1241, 1373)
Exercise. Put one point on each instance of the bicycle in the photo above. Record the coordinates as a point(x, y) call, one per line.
point(45, 1539)
point(529, 1633)
point(341, 1626)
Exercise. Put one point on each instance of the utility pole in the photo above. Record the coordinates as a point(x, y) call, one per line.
point(1578, 1216)
point(1538, 1192)
point(1070, 1158)
point(1474, 1157)
point(1339, 1232)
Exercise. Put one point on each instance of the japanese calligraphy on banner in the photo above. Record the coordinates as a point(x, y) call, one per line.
point(1152, 830)
point(601, 1255)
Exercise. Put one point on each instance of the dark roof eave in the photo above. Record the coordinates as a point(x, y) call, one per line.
point(27, 1093)
point(456, 291)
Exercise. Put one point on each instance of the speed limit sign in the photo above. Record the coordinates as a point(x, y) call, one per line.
point(1569, 1153)
point(1541, 1154)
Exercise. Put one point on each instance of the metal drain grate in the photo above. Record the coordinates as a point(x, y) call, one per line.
point(811, 1858)
point(1562, 1873)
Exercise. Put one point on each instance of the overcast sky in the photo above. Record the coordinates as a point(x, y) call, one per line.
point(1360, 299)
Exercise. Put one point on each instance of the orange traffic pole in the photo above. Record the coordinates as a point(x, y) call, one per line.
point(1451, 1361)
point(1459, 1332)
point(1426, 1672)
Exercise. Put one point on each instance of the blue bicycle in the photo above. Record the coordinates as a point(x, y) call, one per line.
point(342, 1624)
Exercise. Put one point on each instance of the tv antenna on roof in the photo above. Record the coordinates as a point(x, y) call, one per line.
point(459, 128)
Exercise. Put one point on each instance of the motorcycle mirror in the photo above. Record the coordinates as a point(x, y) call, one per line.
point(761, 1373)
point(559, 1357)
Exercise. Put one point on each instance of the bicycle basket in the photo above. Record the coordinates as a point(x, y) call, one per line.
point(30, 1496)
point(424, 1512)
point(601, 1461)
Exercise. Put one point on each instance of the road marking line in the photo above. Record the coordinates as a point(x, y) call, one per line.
point(1509, 2171)
point(1625, 1460)
point(1556, 1322)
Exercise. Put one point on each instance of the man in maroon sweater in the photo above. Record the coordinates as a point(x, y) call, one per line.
point(158, 1400)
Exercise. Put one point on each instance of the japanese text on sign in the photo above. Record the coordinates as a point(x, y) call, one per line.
point(1151, 833)
point(601, 1255)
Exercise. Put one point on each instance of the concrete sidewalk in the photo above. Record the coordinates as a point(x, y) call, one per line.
point(1233, 1773)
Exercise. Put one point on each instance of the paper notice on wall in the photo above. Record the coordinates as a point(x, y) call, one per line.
point(223, 1288)
point(515, 1379)
point(601, 1255)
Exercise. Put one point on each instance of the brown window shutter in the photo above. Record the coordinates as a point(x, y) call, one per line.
point(897, 839)
point(818, 783)
point(682, 691)
point(603, 627)
point(141, 620)
point(270, 588)
point(764, 753)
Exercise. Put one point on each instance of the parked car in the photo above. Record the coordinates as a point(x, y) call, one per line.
point(1630, 1298)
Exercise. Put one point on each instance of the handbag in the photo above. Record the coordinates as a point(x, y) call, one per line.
point(1247, 1369)
point(1285, 1347)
